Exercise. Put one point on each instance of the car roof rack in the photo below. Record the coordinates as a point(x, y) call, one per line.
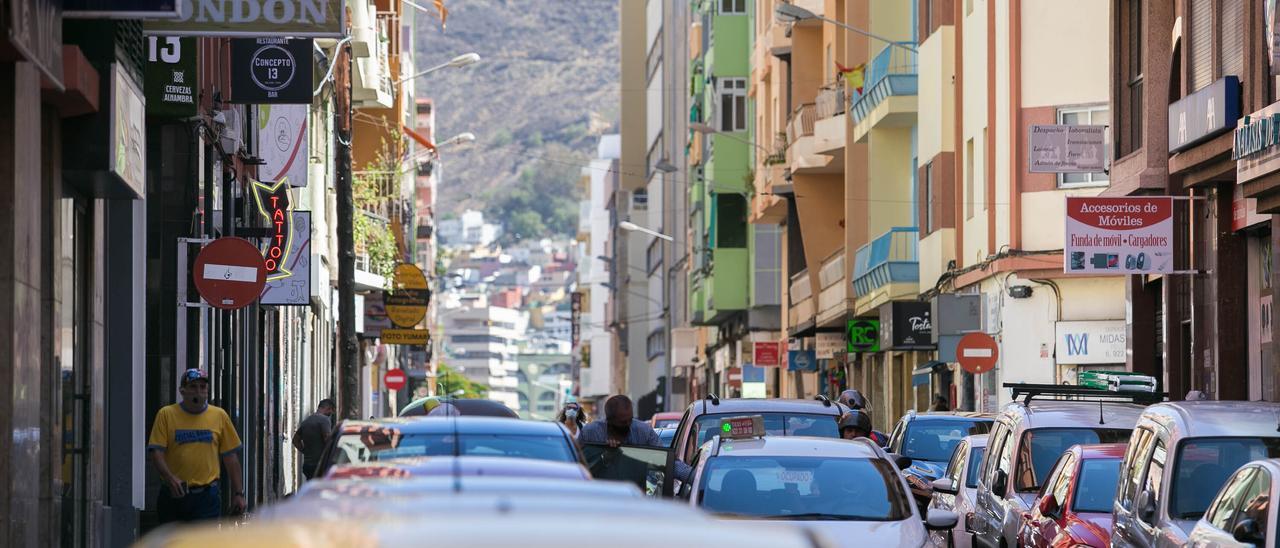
point(1029, 391)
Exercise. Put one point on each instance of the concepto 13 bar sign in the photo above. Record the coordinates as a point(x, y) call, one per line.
point(1119, 235)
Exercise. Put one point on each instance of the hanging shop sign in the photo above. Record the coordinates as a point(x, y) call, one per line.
point(282, 143)
point(1082, 343)
point(1119, 235)
point(1273, 35)
point(229, 273)
point(906, 325)
point(826, 345)
point(1244, 211)
point(171, 81)
point(255, 18)
point(1068, 149)
point(1204, 114)
point(275, 208)
point(802, 360)
point(292, 284)
point(119, 9)
point(33, 29)
point(407, 303)
point(375, 316)
point(411, 337)
point(271, 70)
point(863, 335)
point(1256, 147)
point(767, 354)
point(127, 152)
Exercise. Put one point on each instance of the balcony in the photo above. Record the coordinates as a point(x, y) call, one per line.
point(886, 268)
point(889, 91)
point(829, 129)
point(801, 298)
point(833, 296)
point(802, 151)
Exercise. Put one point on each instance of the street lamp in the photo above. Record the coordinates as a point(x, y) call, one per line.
point(791, 13)
point(461, 138)
point(457, 62)
point(632, 227)
point(665, 166)
point(709, 130)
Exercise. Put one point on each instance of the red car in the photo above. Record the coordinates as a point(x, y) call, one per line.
point(1074, 504)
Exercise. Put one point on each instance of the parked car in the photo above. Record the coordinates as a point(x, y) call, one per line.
point(1180, 455)
point(411, 437)
point(464, 407)
point(930, 439)
point(1029, 435)
point(449, 465)
point(957, 490)
point(1242, 513)
point(1074, 506)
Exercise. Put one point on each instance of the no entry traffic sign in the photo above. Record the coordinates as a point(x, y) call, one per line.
point(977, 353)
point(230, 273)
point(395, 379)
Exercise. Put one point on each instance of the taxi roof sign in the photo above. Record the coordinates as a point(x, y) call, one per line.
point(742, 427)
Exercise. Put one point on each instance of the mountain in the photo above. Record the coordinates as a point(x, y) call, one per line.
point(546, 88)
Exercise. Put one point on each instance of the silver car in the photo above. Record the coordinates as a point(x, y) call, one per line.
point(1242, 513)
point(1026, 442)
point(1180, 455)
point(957, 490)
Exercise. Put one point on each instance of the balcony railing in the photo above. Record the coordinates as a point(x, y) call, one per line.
point(831, 100)
point(833, 294)
point(801, 124)
point(890, 258)
point(892, 72)
point(801, 289)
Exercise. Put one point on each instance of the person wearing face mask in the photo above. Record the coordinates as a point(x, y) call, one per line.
point(572, 417)
point(188, 442)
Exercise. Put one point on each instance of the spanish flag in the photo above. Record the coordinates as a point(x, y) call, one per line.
point(853, 76)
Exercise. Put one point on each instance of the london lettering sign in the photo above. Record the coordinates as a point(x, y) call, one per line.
point(255, 18)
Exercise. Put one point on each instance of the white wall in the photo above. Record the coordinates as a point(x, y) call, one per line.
point(1065, 48)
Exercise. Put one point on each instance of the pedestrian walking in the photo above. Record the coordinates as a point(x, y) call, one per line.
point(572, 417)
point(313, 434)
point(187, 442)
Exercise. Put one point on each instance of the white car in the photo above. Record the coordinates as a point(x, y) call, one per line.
point(1242, 513)
point(849, 492)
point(957, 490)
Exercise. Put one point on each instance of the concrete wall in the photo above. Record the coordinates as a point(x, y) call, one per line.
point(1061, 67)
point(891, 169)
point(936, 100)
point(634, 91)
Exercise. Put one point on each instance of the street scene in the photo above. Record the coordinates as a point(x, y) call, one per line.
point(639, 273)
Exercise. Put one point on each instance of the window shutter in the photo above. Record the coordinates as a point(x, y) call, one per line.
point(1232, 33)
point(1201, 54)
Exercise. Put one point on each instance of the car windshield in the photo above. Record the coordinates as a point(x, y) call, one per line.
point(934, 440)
point(389, 444)
point(1204, 464)
point(1041, 448)
point(1096, 488)
point(775, 424)
point(803, 488)
point(975, 461)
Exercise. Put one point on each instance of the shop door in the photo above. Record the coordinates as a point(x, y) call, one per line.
point(75, 286)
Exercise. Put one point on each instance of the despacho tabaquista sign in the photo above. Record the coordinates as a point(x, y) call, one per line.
point(271, 70)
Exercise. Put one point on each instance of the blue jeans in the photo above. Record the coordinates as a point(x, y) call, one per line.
point(195, 506)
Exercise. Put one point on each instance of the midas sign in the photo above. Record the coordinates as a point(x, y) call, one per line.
point(296, 18)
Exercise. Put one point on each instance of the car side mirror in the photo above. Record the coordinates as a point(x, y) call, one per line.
point(1246, 531)
point(1146, 507)
point(1000, 483)
point(945, 485)
point(1048, 506)
point(903, 462)
point(941, 520)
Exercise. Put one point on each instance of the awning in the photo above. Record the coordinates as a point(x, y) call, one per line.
point(929, 367)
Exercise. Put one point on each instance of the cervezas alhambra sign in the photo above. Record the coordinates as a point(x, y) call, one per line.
point(257, 18)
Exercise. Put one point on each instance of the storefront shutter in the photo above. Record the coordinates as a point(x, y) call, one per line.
point(1232, 35)
point(1201, 57)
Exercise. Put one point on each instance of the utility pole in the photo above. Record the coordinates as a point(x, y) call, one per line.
point(348, 346)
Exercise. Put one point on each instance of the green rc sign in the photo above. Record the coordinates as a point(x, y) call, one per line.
point(864, 335)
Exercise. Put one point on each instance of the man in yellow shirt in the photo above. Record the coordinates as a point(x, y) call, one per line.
point(187, 441)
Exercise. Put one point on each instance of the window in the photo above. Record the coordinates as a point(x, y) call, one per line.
point(1130, 99)
point(640, 199)
point(851, 489)
point(733, 104)
point(656, 344)
point(959, 460)
point(654, 60)
point(975, 460)
point(1204, 464)
point(653, 256)
point(969, 196)
point(766, 287)
point(1041, 447)
point(1096, 490)
point(652, 158)
point(1222, 512)
point(733, 7)
point(1096, 115)
point(1130, 475)
point(930, 194)
point(1155, 473)
point(1060, 484)
point(731, 221)
point(934, 440)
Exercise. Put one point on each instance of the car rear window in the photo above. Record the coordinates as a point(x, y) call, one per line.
point(1096, 488)
point(803, 488)
point(934, 440)
point(775, 424)
point(1041, 448)
point(1204, 464)
point(382, 445)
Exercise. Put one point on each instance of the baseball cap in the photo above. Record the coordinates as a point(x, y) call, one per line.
point(194, 375)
